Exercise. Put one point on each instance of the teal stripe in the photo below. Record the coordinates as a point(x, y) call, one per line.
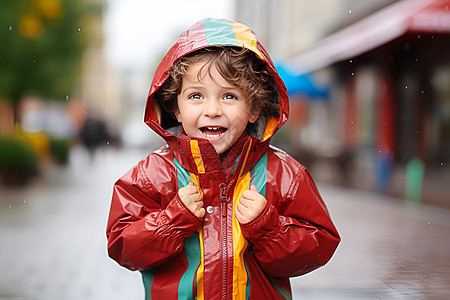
point(259, 175)
point(192, 248)
point(184, 177)
point(235, 164)
point(219, 32)
point(247, 287)
point(147, 278)
point(286, 294)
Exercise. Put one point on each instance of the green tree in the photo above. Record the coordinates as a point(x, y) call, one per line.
point(42, 44)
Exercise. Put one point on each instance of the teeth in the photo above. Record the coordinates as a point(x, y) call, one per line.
point(212, 136)
point(213, 128)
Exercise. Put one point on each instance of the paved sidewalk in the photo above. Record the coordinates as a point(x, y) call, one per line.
point(53, 243)
point(389, 250)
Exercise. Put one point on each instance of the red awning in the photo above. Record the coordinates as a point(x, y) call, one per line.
point(383, 26)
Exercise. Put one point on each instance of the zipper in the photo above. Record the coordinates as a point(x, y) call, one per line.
point(223, 201)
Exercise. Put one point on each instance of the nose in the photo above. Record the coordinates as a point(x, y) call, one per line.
point(212, 108)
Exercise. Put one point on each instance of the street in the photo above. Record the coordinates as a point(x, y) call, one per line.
point(53, 243)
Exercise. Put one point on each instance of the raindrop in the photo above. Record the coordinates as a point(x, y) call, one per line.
point(418, 36)
point(351, 60)
point(353, 73)
point(10, 205)
point(107, 143)
point(428, 223)
point(379, 151)
point(79, 29)
point(406, 87)
point(442, 163)
point(10, 28)
point(417, 59)
point(34, 60)
point(351, 122)
point(432, 36)
point(67, 97)
point(417, 132)
point(24, 201)
point(350, 11)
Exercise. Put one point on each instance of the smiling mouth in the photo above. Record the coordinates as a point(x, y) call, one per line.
point(213, 133)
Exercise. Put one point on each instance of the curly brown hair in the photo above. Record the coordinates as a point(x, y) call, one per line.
point(239, 66)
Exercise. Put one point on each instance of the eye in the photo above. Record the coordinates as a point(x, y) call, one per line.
point(195, 96)
point(230, 97)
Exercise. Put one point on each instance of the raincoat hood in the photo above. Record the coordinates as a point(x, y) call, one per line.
point(206, 33)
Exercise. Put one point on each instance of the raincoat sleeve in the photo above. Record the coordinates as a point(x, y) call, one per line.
point(148, 223)
point(293, 236)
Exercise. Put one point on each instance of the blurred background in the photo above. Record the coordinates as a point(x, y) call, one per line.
point(369, 87)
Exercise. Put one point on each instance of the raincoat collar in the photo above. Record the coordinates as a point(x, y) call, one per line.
point(198, 155)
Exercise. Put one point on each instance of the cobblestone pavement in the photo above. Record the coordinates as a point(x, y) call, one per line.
point(53, 243)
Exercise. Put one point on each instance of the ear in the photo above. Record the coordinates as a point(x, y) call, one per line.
point(254, 115)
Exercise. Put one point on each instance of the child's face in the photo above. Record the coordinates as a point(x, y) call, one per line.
point(213, 109)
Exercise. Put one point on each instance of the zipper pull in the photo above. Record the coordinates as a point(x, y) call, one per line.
point(223, 198)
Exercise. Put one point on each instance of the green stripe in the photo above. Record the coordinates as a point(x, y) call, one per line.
point(191, 247)
point(286, 294)
point(259, 175)
point(219, 32)
point(247, 286)
point(235, 164)
point(184, 177)
point(147, 278)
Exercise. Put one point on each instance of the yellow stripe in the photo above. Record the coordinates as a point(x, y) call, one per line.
point(197, 157)
point(245, 37)
point(271, 124)
point(200, 270)
point(239, 243)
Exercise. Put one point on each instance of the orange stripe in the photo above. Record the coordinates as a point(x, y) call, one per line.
point(239, 244)
point(245, 37)
point(200, 270)
point(197, 157)
point(271, 124)
point(245, 159)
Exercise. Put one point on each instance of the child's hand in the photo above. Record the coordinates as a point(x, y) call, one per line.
point(250, 205)
point(192, 199)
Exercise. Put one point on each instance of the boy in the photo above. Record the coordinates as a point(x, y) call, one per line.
point(218, 213)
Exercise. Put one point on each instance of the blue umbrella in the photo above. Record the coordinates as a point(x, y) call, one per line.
point(301, 84)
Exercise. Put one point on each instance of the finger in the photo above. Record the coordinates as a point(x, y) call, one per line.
point(242, 218)
point(253, 188)
point(239, 215)
point(249, 195)
point(191, 189)
point(201, 212)
point(243, 202)
point(196, 197)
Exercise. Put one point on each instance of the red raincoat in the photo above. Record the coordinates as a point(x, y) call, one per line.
point(184, 257)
